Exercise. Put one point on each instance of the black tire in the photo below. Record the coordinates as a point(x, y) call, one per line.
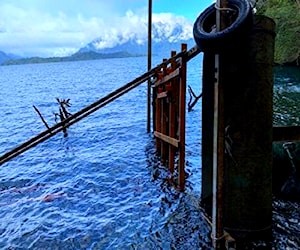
point(208, 40)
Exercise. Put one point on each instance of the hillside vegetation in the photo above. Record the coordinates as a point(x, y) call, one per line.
point(90, 55)
point(286, 14)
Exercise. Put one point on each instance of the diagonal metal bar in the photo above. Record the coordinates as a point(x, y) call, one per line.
point(76, 117)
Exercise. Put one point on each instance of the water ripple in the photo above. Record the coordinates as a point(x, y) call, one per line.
point(103, 186)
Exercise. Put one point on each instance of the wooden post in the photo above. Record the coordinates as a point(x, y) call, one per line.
point(182, 101)
point(154, 107)
point(158, 120)
point(163, 120)
point(172, 117)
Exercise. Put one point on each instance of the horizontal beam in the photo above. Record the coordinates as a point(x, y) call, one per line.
point(168, 77)
point(291, 133)
point(192, 53)
point(167, 139)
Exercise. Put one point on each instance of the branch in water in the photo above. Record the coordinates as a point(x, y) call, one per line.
point(42, 118)
point(192, 94)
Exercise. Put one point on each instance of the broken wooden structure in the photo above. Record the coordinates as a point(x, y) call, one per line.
point(169, 105)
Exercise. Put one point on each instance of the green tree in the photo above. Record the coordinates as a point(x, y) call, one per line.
point(286, 14)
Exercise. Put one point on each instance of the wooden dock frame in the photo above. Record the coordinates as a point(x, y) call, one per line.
point(169, 108)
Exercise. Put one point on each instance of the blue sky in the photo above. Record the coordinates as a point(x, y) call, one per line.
point(61, 27)
point(188, 8)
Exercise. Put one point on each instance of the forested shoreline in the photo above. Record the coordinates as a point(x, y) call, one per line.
point(286, 14)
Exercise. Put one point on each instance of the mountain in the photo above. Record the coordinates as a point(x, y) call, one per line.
point(161, 48)
point(166, 36)
point(164, 40)
point(5, 57)
point(89, 55)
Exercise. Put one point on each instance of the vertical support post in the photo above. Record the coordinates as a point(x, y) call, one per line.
point(163, 120)
point(172, 117)
point(149, 64)
point(218, 137)
point(154, 108)
point(248, 119)
point(208, 79)
point(218, 140)
point(182, 101)
point(157, 117)
point(218, 158)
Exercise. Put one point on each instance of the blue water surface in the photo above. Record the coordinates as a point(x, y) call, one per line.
point(102, 186)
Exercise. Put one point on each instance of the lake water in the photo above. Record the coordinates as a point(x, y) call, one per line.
point(102, 187)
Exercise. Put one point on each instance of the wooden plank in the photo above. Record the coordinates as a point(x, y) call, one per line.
point(163, 119)
point(157, 122)
point(167, 139)
point(162, 94)
point(291, 133)
point(168, 77)
point(192, 53)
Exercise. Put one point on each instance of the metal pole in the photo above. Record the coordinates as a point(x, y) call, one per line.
point(149, 63)
point(218, 141)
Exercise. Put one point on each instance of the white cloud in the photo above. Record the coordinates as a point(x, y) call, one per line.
point(31, 32)
point(170, 23)
point(135, 27)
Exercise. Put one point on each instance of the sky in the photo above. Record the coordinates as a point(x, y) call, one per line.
point(61, 27)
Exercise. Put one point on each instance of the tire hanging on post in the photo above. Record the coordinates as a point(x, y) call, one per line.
point(204, 30)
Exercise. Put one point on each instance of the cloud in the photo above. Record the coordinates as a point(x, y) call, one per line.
point(135, 27)
point(170, 22)
point(29, 31)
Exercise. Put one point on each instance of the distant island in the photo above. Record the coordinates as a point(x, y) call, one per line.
point(82, 56)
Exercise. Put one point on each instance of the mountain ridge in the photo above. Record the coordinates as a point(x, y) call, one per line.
point(89, 55)
point(6, 56)
point(165, 38)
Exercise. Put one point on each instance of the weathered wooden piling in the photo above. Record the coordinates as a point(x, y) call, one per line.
point(249, 127)
point(248, 115)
